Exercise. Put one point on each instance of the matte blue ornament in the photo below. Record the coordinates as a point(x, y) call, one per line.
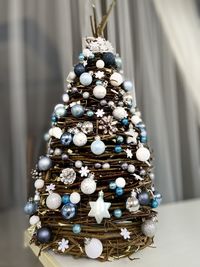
point(119, 139)
point(97, 147)
point(109, 59)
point(65, 199)
point(125, 122)
point(119, 191)
point(112, 185)
point(44, 235)
point(76, 228)
point(30, 208)
point(118, 62)
point(98, 82)
point(90, 113)
point(86, 78)
point(81, 57)
point(154, 203)
point(68, 211)
point(77, 111)
point(143, 198)
point(117, 213)
point(79, 69)
point(66, 139)
point(158, 197)
point(118, 149)
point(143, 139)
point(44, 163)
point(127, 85)
point(54, 118)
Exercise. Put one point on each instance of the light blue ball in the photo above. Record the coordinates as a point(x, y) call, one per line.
point(68, 211)
point(117, 213)
point(90, 113)
point(154, 203)
point(98, 147)
point(118, 149)
point(86, 79)
point(125, 121)
point(119, 191)
point(158, 197)
point(81, 57)
point(30, 208)
point(112, 185)
point(118, 62)
point(127, 85)
point(76, 228)
point(44, 163)
point(65, 199)
point(60, 111)
point(120, 139)
point(98, 82)
point(77, 111)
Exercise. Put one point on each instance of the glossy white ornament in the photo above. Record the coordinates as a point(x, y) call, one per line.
point(39, 183)
point(80, 139)
point(131, 168)
point(93, 248)
point(100, 64)
point(85, 78)
point(75, 198)
point(71, 76)
point(99, 91)
point(120, 113)
point(143, 154)
point(34, 220)
point(57, 151)
point(120, 182)
point(88, 186)
point(98, 147)
point(78, 164)
point(65, 98)
point(86, 95)
point(135, 119)
point(55, 132)
point(53, 201)
point(116, 79)
point(149, 228)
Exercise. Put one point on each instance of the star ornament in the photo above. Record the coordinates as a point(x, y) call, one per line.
point(125, 233)
point(99, 208)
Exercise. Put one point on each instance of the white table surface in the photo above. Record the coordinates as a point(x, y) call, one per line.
point(177, 241)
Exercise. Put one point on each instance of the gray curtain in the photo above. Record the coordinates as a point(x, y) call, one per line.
point(39, 42)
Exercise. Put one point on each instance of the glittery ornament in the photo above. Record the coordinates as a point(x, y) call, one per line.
point(68, 176)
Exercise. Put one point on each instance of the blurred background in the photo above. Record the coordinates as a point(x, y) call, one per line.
point(40, 41)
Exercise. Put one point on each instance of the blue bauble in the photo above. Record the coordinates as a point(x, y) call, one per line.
point(76, 228)
point(54, 118)
point(109, 59)
point(97, 147)
point(44, 235)
point(60, 110)
point(65, 199)
point(86, 78)
point(143, 139)
point(119, 191)
point(79, 69)
point(77, 111)
point(117, 213)
point(141, 126)
point(30, 208)
point(143, 198)
point(44, 163)
point(125, 121)
point(119, 139)
point(90, 113)
point(158, 197)
point(112, 185)
point(66, 139)
point(118, 62)
point(154, 203)
point(127, 85)
point(68, 211)
point(98, 82)
point(81, 57)
point(118, 149)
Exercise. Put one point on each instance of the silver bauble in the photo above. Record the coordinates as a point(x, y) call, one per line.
point(132, 204)
point(149, 228)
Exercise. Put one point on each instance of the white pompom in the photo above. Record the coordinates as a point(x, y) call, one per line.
point(55, 132)
point(135, 119)
point(93, 248)
point(53, 201)
point(80, 139)
point(39, 183)
point(120, 113)
point(120, 182)
point(116, 79)
point(34, 220)
point(99, 91)
point(143, 154)
point(75, 198)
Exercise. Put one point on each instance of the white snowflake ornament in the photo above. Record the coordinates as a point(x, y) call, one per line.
point(63, 245)
point(84, 171)
point(129, 153)
point(50, 188)
point(100, 113)
point(99, 74)
point(125, 233)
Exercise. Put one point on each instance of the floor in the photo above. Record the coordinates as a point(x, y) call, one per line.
point(12, 252)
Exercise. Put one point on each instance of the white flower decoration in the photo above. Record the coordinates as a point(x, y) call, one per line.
point(50, 187)
point(100, 113)
point(125, 233)
point(63, 245)
point(129, 153)
point(84, 171)
point(99, 74)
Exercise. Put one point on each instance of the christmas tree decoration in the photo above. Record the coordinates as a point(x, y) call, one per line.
point(94, 188)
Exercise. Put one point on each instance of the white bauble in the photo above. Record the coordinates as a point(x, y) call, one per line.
point(100, 64)
point(120, 113)
point(88, 186)
point(143, 154)
point(99, 91)
point(34, 220)
point(135, 119)
point(120, 182)
point(116, 79)
point(39, 183)
point(78, 164)
point(93, 248)
point(65, 97)
point(131, 168)
point(53, 201)
point(80, 139)
point(149, 228)
point(55, 132)
point(75, 198)
point(71, 76)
